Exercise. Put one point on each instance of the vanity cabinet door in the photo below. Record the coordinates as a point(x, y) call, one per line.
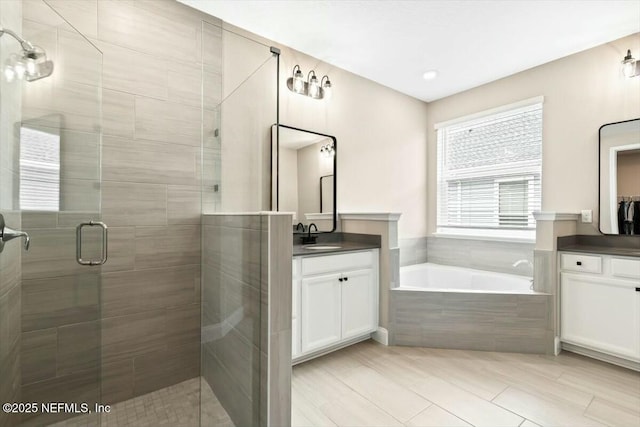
point(320, 313)
point(295, 318)
point(358, 303)
point(600, 313)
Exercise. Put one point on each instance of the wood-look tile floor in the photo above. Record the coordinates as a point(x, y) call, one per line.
point(369, 384)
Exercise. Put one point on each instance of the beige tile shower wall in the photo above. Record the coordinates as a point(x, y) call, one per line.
point(246, 320)
point(231, 316)
point(147, 298)
point(151, 191)
point(246, 117)
point(10, 266)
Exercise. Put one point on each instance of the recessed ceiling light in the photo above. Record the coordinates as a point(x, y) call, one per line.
point(430, 75)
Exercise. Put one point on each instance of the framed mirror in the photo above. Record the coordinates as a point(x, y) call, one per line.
point(303, 177)
point(620, 178)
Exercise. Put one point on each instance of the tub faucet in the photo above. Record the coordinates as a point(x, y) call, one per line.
point(523, 261)
point(530, 264)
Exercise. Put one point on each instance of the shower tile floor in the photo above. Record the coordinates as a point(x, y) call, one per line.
point(174, 406)
point(369, 384)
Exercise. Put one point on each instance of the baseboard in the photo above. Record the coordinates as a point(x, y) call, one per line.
point(381, 335)
point(330, 349)
point(556, 346)
point(630, 364)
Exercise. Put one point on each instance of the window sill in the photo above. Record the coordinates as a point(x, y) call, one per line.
point(512, 236)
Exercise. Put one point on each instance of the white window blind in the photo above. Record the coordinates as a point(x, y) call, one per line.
point(489, 170)
point(39, 170)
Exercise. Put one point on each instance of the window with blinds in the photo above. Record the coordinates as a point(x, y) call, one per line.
point(489, 170)
point(39, 170)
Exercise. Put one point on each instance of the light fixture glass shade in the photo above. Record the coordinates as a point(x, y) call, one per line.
point(327, 150)
point(326, 87)
point(314, 87)
point(298, 82)
point(629, 65)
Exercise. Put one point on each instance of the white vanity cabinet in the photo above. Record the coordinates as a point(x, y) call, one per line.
point(335, 301)
point(600, 304)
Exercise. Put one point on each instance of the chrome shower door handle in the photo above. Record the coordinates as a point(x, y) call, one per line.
point(105, 248)
point(7, 234)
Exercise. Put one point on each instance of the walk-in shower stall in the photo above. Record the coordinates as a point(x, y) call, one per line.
point(127, 130)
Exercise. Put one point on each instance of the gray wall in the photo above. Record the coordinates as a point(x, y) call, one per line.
point(139, 315)
point(151, 191)
point(479, 254)
point(246, 292)
point(472, 321)
point(10, 266)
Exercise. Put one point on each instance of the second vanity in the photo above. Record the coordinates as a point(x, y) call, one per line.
point(335, 294)
point(600, 299)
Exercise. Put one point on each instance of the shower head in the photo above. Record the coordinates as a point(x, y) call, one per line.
point(32, 64)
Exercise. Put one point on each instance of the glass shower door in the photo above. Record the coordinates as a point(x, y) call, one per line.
point(51, 156)
point(240, 105)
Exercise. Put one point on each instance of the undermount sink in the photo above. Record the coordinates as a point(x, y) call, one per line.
point(321, 247)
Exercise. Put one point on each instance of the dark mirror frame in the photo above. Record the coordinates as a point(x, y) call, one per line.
point(600, 174)
point(275, 173)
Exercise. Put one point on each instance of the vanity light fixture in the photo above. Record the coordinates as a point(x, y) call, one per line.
point(630, 66)
point(311, 88)
point(328, 150)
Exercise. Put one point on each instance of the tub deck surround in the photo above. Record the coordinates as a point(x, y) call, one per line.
point(346, 241)
point(604, 244)
point(451, 307)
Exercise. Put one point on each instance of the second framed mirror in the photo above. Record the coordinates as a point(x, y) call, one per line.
point(303, 177)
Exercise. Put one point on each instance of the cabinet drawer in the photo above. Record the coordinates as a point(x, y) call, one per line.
point(340, 262)
point(622, 267)
point(584, 263)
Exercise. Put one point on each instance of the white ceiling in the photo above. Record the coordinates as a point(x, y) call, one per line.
point(468, 42)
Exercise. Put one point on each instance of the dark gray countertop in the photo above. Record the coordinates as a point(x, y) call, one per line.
point(607, 245)
point(346, 241)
